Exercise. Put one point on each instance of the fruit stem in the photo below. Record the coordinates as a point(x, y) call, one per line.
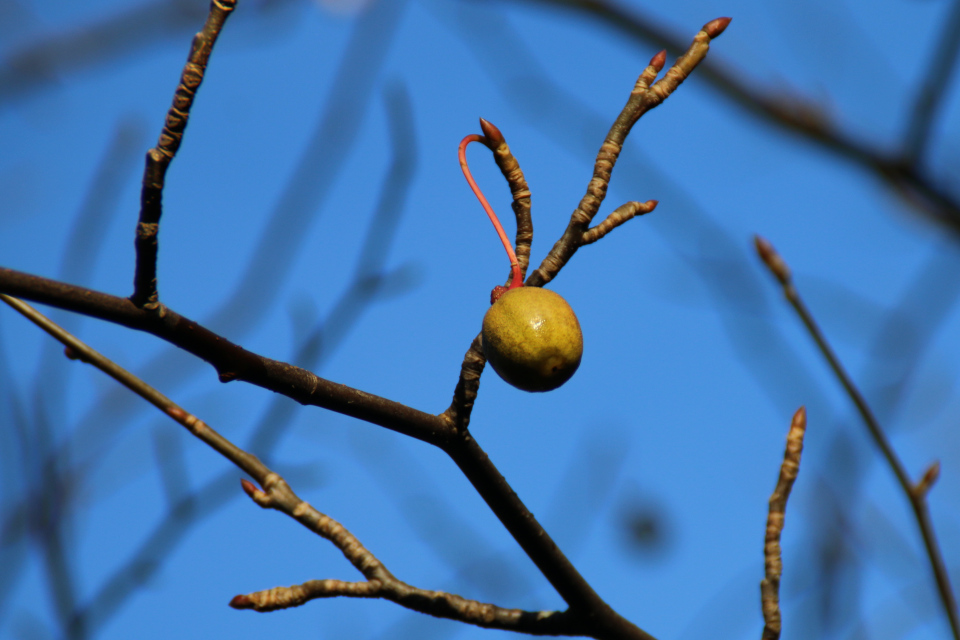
point(514, 265)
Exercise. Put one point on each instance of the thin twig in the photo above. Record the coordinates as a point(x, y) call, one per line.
point(803, 117)
point(772, 557)
point(307, 388)
point(231, 361)
point(468, 384)
point(930, 97)
point(278, 495)
point(645, 96)
point(159, 158)
point(915, 493)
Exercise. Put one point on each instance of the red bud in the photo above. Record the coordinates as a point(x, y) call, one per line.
point(716, 27)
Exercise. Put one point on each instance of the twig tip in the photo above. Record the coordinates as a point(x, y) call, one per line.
point(241, 602)
point(659, 60)
point(715, 27)
point(491, 131)
point(249, 488)
point(800, 417)
point(772, 259)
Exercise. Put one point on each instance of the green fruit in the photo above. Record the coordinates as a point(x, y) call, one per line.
point(532, 339)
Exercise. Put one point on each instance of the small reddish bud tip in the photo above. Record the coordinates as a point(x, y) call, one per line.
point(248, 488)
point(70, 353)
point(772, 259)
point(651, 205)
point(929, 478)
point(241, 602)
point(491, 132)
point(659, 60)
point(800, 416)
point(498, 291)
point(716, 27)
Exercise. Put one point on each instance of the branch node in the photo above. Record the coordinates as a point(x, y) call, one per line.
point(621, 214)
point(260, 497)
point(926, 482)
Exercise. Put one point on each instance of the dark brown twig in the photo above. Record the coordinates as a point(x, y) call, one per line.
point(159, 158)
point(643, 98)
point(915, 493)
point(797, 115)
point(235, 363)
point(772, 557)
point(468, 384)
point(231, 361)
point(511, 171)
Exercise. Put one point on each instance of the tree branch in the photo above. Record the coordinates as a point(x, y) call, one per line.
point(644, 97)
point(447, 431)
point(159, 158)
point(772, 560)
point(278, 495)
point(916, 494)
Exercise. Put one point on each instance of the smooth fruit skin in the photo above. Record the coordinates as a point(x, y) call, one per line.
point(532, 339)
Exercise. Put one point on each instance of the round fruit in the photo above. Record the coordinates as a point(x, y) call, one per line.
point(532, 339)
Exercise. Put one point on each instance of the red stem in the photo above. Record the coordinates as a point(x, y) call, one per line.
point(462, 154)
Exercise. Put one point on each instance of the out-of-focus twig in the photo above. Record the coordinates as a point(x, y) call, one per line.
point(646, 95)
point(915, 493)
point(159, 158)
point(772, 557)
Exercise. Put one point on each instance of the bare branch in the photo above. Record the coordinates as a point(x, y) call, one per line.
point(436, 603)
point(620, 215)
point(465, 393)
point(644, 97)
point(474, 361)
point(511, 171)
point(231, 361)
point(278, 495)
point(159, 158)
point(772, 560)
point(797, 115)
point(917, 499)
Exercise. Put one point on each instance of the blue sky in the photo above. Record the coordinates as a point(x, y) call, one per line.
point(693, 364)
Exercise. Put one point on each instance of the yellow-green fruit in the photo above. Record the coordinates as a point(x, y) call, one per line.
point(532, 339)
